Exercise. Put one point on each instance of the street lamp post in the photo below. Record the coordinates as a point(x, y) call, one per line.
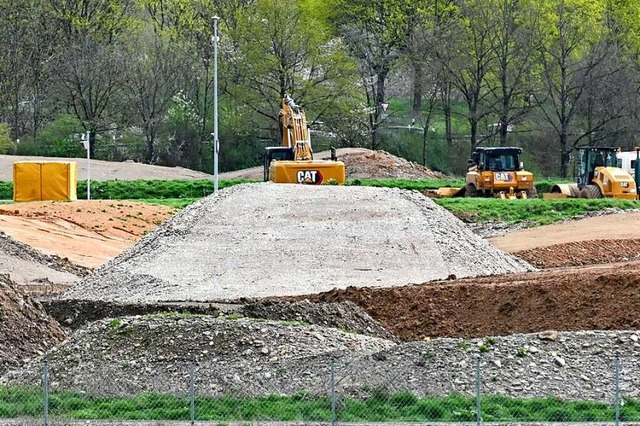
point(216, 142)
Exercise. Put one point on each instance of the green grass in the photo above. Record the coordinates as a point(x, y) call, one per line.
point(180, 193)
point(534, 212)
point(380, 406)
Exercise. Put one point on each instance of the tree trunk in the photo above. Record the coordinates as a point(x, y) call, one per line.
point(446, 109)
point(417, 88)
point(564, 154)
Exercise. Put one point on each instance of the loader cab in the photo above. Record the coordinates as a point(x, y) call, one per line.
point(275, 153)
point(497, 159)
point(590, 158)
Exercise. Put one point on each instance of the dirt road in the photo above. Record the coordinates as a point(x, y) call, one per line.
point(86, 232)
point(609, 227)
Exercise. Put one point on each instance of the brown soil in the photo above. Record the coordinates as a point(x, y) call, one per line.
point(86, 232)
point(596, 297)
point(27, 331)
point(582, 253)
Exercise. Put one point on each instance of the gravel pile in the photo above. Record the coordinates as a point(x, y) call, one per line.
point(260, 240)
point(11, 247)
point(249, 357)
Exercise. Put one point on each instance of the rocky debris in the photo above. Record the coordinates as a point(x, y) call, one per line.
point(381, 164)
point(240, 357)
point(244, 357)
point(26, 330)
point(281, 240)
point(345, 316)
point(14, 248)
point(495, 228)
point(577, 366)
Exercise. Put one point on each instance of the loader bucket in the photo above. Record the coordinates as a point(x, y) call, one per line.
point(444, 192)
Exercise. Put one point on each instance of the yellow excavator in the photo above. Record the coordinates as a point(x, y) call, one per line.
point(293, 162)
point(598, 176)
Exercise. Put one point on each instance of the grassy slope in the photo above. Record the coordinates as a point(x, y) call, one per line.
point(380, 406)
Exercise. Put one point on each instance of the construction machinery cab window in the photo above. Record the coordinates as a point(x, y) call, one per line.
point(590, 158)
point(497, 160)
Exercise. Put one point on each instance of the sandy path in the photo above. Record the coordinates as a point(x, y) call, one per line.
point(88, 233)
point(610, 227)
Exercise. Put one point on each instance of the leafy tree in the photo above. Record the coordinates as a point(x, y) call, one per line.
point(571, 56)
point(6, 144)
point(277, 48)
point(377, 35)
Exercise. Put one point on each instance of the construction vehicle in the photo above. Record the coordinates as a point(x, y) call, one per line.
point(494, 172)
point(598, 176)
point(292, 161)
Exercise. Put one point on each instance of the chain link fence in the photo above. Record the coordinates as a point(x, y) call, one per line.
point(344, 392)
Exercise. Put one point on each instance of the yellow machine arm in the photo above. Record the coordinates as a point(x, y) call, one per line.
point(295, 132)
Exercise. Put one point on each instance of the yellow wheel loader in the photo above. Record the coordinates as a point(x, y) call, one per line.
point(498, 171)
point(493, 172)
point(293, 162)
point(598, 176)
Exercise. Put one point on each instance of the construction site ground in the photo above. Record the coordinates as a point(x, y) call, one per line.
point(588, 280)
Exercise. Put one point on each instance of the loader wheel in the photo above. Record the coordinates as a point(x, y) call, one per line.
point(471, 191)
point(532, 193)
point(590, 191)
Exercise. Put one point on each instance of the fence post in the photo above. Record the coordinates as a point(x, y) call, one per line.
point(192, 393)
point(333, 393)
point(617, 382)
point(478, 396)
point(45, 384)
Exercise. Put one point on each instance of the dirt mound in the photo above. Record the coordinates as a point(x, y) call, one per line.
point(233, 357)
point(582, 253)
point(594, 298)
point(26, 331)
point(245, 358)
point(381, 164)
point(87, 233)
point(261, 240)
point(344, 316)
point(359, 163)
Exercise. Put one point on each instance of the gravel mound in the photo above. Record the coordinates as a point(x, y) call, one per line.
point(29, 267)
point(249, 357)
point(14, 248)
point(345, 316)
point(26, 331)
point(260, 240)
point(233, 356)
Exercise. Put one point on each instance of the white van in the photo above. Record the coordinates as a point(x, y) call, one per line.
point(627, 161)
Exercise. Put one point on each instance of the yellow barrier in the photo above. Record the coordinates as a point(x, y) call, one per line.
point(45, 181)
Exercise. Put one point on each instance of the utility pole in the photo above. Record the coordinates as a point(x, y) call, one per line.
point(216, 141)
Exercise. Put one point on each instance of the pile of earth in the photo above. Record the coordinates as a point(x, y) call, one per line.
point(245, 357)
point(603, 297)
point(284, 240)
point(381, 164)
point(26, 331)
point(359, 163)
